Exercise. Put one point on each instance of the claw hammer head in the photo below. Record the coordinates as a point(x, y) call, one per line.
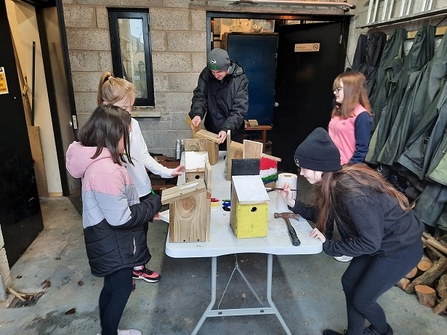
point(285, 215)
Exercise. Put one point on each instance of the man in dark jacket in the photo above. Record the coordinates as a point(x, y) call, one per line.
point(222, 96)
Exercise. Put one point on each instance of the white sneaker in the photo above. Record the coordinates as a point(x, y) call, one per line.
point(129, 332)
point(343, 258)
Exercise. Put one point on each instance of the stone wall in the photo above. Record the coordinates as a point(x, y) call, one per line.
point(178, 41)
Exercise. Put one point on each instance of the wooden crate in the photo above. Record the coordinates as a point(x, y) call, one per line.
point(189, 212)
point(249, 207)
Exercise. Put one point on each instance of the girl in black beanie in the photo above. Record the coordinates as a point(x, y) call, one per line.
point(385, 233)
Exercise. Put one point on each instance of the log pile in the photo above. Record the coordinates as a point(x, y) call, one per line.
point(428, 280)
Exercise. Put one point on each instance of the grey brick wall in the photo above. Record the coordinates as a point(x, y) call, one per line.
point(178, 42)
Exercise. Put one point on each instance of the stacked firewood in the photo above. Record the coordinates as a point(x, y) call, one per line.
point(429, 278)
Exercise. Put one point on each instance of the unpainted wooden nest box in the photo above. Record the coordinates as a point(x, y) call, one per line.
point(189, 211)
point(195, 165)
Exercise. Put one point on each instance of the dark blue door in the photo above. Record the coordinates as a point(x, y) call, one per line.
point(257, 55)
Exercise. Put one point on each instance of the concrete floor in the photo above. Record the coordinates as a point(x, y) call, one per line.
point(306, 290)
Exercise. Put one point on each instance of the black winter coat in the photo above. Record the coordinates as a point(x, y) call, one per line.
point(110, 249)
point(380, 226)
point(223, 104)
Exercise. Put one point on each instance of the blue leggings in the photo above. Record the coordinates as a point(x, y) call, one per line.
point(367, 278)
point(113, 299)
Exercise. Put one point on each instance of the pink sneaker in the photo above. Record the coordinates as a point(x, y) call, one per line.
point(147, 275)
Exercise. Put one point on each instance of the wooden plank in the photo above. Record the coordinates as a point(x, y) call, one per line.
point(208, 177)
point(440, 31)
point(178, 192)
point(39, 166)
point(252, 149)
point(236, 146)
point(213, 152)
point(202, 133)
point(235, 150)
point(196, 144)
point(271, 157)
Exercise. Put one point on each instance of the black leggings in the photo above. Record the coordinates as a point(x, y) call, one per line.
point(113, 299)
point(367, 278)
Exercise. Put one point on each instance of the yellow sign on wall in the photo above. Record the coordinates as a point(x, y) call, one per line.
point(3, 84)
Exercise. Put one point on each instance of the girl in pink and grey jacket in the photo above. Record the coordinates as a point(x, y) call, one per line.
point(113, 217)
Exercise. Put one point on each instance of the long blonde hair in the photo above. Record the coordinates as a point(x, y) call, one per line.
point(352, 178)
point(112, 89)
point(354, 92)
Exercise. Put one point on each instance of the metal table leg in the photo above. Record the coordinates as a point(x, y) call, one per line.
point(213, 295)
point(210, 312)
point(269, 294)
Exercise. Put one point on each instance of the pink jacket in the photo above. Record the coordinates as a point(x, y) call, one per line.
point(342, 133)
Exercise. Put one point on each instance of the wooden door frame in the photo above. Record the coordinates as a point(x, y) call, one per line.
point(60, 150)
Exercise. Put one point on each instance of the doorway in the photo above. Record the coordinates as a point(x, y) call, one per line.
point(310, 56)
point(20, 215)
point(60, 91)
point(302, 93)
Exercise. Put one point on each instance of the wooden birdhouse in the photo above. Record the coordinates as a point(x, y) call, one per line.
point(249, 206)
point(203, 142)
point(189, 211)
point(195, 165)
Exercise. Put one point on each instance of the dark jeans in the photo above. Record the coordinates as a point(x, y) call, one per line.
point(367, 278)
point(113, 299)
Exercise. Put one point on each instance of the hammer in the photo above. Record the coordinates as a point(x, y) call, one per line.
point(295, 241)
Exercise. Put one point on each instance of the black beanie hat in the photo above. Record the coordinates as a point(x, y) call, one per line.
point(317, 152)
point(218, 60)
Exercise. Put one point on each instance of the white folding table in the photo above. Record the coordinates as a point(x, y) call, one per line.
point(223, 242)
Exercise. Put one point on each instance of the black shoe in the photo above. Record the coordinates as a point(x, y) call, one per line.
point(371, 331)
point(332, 332)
